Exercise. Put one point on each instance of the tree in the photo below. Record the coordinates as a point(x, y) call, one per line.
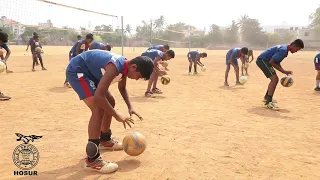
point(128, 29)
point(231, 33)
point(273, 39)
point(251, 32)
point(215, 35)
point(314, 18)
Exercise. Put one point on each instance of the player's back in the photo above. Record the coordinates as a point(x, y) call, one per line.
point(317, 56)
point(74, 47)
point(96, 45)
point(232, 51)
point(158, 47)
point(153, 54)
point(93, 63)
point(193, 54)
point(267, 54)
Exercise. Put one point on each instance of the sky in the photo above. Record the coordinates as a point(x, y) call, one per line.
point(198, 13)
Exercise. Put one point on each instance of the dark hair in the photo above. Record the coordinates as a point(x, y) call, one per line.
point(3, 37)
point(144, 66)
point(298, 43)
point(34, 34)
point(171, 53)
point(167, 47)
point(244, 50)
point(89, 36)
point(0, 29)
point(108, 47)
point(79, 36)
point(204, 54)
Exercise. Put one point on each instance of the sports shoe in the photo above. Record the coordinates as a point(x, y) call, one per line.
point(195, 73)
point(317, 89)
point(226, 84)
point(111, 145)
point(101, 166)
point(272, 106)
point(43, 68)
point(9, 71)
point(4, 97)
point(149, 94)
point(238, 83)
point(190, 73)
point(156, 91)
point(273, 100)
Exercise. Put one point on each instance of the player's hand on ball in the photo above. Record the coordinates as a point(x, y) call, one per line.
point(288, 72)
point(132, 111)
point(125, 121)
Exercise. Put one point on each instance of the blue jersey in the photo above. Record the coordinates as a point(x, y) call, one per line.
point(73, 50)
point(233, 54)
point(277, 53)
point(92, 63)
point(153, 54)
point(158, 47)
point(97, 45)
point(193, 54)
point(5, 46)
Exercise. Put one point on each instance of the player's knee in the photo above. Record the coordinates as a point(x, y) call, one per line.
point(274, 78)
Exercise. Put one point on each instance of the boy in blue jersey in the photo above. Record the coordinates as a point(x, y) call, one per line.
point(272, 58)
point(36, 55)
point(232, 59)
point(30, 43)
point(101, 46)
point(245, 64)
point(3, 41)
point(317, 67)
point(157, 57)
point(162, 48)
point(5, 46)
point(194, 58)
point(90, 74)
point(78, 48)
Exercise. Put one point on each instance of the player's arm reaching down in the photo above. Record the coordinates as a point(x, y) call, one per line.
point(5, 47)
point(158, 61)
point(124, 93)
point(198, 60)
point(251, 55)
point(100, 96)
point(276, 58)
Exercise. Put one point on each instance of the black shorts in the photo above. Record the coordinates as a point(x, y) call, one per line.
point(266, 67)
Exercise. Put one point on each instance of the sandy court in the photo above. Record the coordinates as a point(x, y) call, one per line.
point(196, 129)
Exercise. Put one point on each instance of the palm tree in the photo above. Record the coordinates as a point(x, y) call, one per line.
point(159, 23)
point(128, 29)
point(242, 20)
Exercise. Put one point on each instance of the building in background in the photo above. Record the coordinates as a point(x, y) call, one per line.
point(310, 37)
point(16, 28)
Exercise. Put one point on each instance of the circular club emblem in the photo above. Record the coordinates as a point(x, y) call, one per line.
point(25, 156)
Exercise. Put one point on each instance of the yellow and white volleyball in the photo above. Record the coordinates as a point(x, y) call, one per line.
point(165, 64)
point(2, 67)
point(38, 49)
point(134, 144)
point(165, 80)
point(243, 79)
point(203, 68)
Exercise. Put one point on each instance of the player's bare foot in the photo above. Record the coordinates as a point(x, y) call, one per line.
point(226, 84)
point(9, 71)
point(101, 166)
point(33, 70)
point(110, 145)
point(43, 68)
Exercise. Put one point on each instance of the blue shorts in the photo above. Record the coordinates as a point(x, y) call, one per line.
point(82, 84)
point(317, 63)
point(235, 61)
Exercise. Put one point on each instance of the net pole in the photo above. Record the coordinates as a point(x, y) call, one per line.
point(151, 33)
point(122, 35)
point(189, 39)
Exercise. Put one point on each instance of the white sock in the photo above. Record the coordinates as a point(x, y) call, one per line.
point(317, 83)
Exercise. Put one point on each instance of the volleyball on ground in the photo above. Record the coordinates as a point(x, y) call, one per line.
point(165, 80)
point(203, 68)
point(2, 67)
point(243, 79)
point(286, 81)
point(134, 143)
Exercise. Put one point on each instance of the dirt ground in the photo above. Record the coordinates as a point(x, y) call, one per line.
point(196, 129)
